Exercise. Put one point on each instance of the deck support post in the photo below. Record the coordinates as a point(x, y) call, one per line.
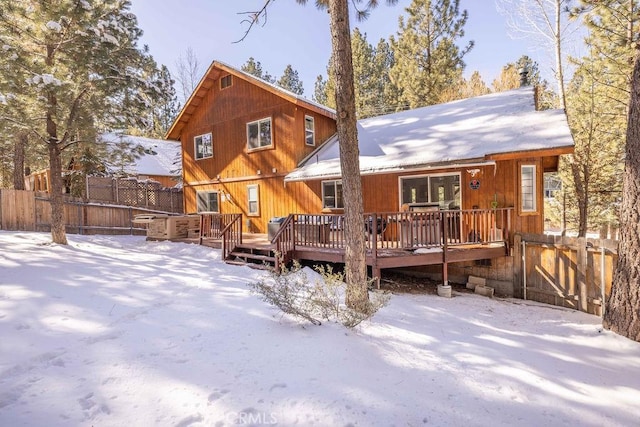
point(445, 274)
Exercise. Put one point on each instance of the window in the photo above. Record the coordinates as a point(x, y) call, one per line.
point(332, 195)
point(203, 146)
point(259, 134)
point(552, 185)
point(226, 81)
point(528, 188)
point(441, 190)
point(309, 131)
point(253, 200)
point(207, 201)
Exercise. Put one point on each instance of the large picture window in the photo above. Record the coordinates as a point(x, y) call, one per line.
point(309, 131)
point(259, 134)
point(528, 188)
point(203, 146)
point(332, 195)
point(253, 200)
point(207, 201)
point(442, 191)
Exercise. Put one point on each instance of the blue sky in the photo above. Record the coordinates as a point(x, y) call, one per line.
point(299, 35)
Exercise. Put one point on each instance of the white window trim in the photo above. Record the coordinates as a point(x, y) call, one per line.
point(335, 188)
point(260, 146)
point(430, 175)
point(195, 146)
point(257, 200)
point(312, 130)
point(534, 209)
point(217, 193)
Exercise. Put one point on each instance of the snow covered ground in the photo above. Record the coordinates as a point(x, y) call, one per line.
point(118, 331)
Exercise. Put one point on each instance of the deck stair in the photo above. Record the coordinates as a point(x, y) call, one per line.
point(246, 254)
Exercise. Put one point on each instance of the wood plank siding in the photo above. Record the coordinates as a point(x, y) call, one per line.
point(225, 113)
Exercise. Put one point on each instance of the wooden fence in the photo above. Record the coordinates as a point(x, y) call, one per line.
point(564, 271)
point(132, 192)
point(31, 211)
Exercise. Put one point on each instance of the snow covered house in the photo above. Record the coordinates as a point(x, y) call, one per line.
point(155, 159)
point(141, 158)
point(436, 180)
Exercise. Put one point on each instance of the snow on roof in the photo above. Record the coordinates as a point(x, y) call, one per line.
point(158, 158)
point(446, 134)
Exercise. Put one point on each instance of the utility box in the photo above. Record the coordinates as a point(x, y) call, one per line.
point(273, 226)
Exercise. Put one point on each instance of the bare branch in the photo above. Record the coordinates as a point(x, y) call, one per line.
point(253, 18)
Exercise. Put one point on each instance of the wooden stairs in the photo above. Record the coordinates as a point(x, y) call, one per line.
point(260, 258)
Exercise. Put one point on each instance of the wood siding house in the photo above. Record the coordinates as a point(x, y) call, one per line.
point(443, 184)
point(240, 137)
point(485, 152)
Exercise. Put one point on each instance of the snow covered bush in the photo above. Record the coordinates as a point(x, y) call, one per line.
point(314, 295)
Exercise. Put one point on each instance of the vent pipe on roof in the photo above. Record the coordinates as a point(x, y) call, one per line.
point(524, 76)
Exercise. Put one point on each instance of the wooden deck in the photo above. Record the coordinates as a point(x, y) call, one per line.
point(397, 239)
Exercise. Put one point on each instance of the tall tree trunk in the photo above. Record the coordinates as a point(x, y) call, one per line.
point(355, 256)
point(558, 52)
point(58, 232)
point(623, 307)
point(18, 160)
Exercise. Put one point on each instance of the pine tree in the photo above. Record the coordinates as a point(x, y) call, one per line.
point(320, 91)
point(77, 65)
point(375, 93)
point(388, 93)
point(254, 68)
point(427, 59)
point(291, 81)
point(475, 86)
point(592, 175)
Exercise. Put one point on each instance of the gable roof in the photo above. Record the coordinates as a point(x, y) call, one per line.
point(216, 70)
point(478, 129)
point(159, 155)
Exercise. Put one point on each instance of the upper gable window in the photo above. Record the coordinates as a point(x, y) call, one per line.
point(203, 146)
point(226, 81)
point(259, 134)
point(309, 131)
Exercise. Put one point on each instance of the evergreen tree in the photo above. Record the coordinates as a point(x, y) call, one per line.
point(254, 68)
point(427, 59)
point(510, 76)
point(165, 107)
point(591, 177)
point(78, 67)
point(320, 91)
point(599, 100)
point(375, 93)
point(475, 86)
point(290, 81)
point(387, 92)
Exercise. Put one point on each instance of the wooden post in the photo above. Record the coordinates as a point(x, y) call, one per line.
point(581, 276)
point(444, 219)
point(517, 266)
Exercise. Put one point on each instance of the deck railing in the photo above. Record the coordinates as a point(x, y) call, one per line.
point(227, 227)
point(284, 242)
point(407, 230)
point(386, 230)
